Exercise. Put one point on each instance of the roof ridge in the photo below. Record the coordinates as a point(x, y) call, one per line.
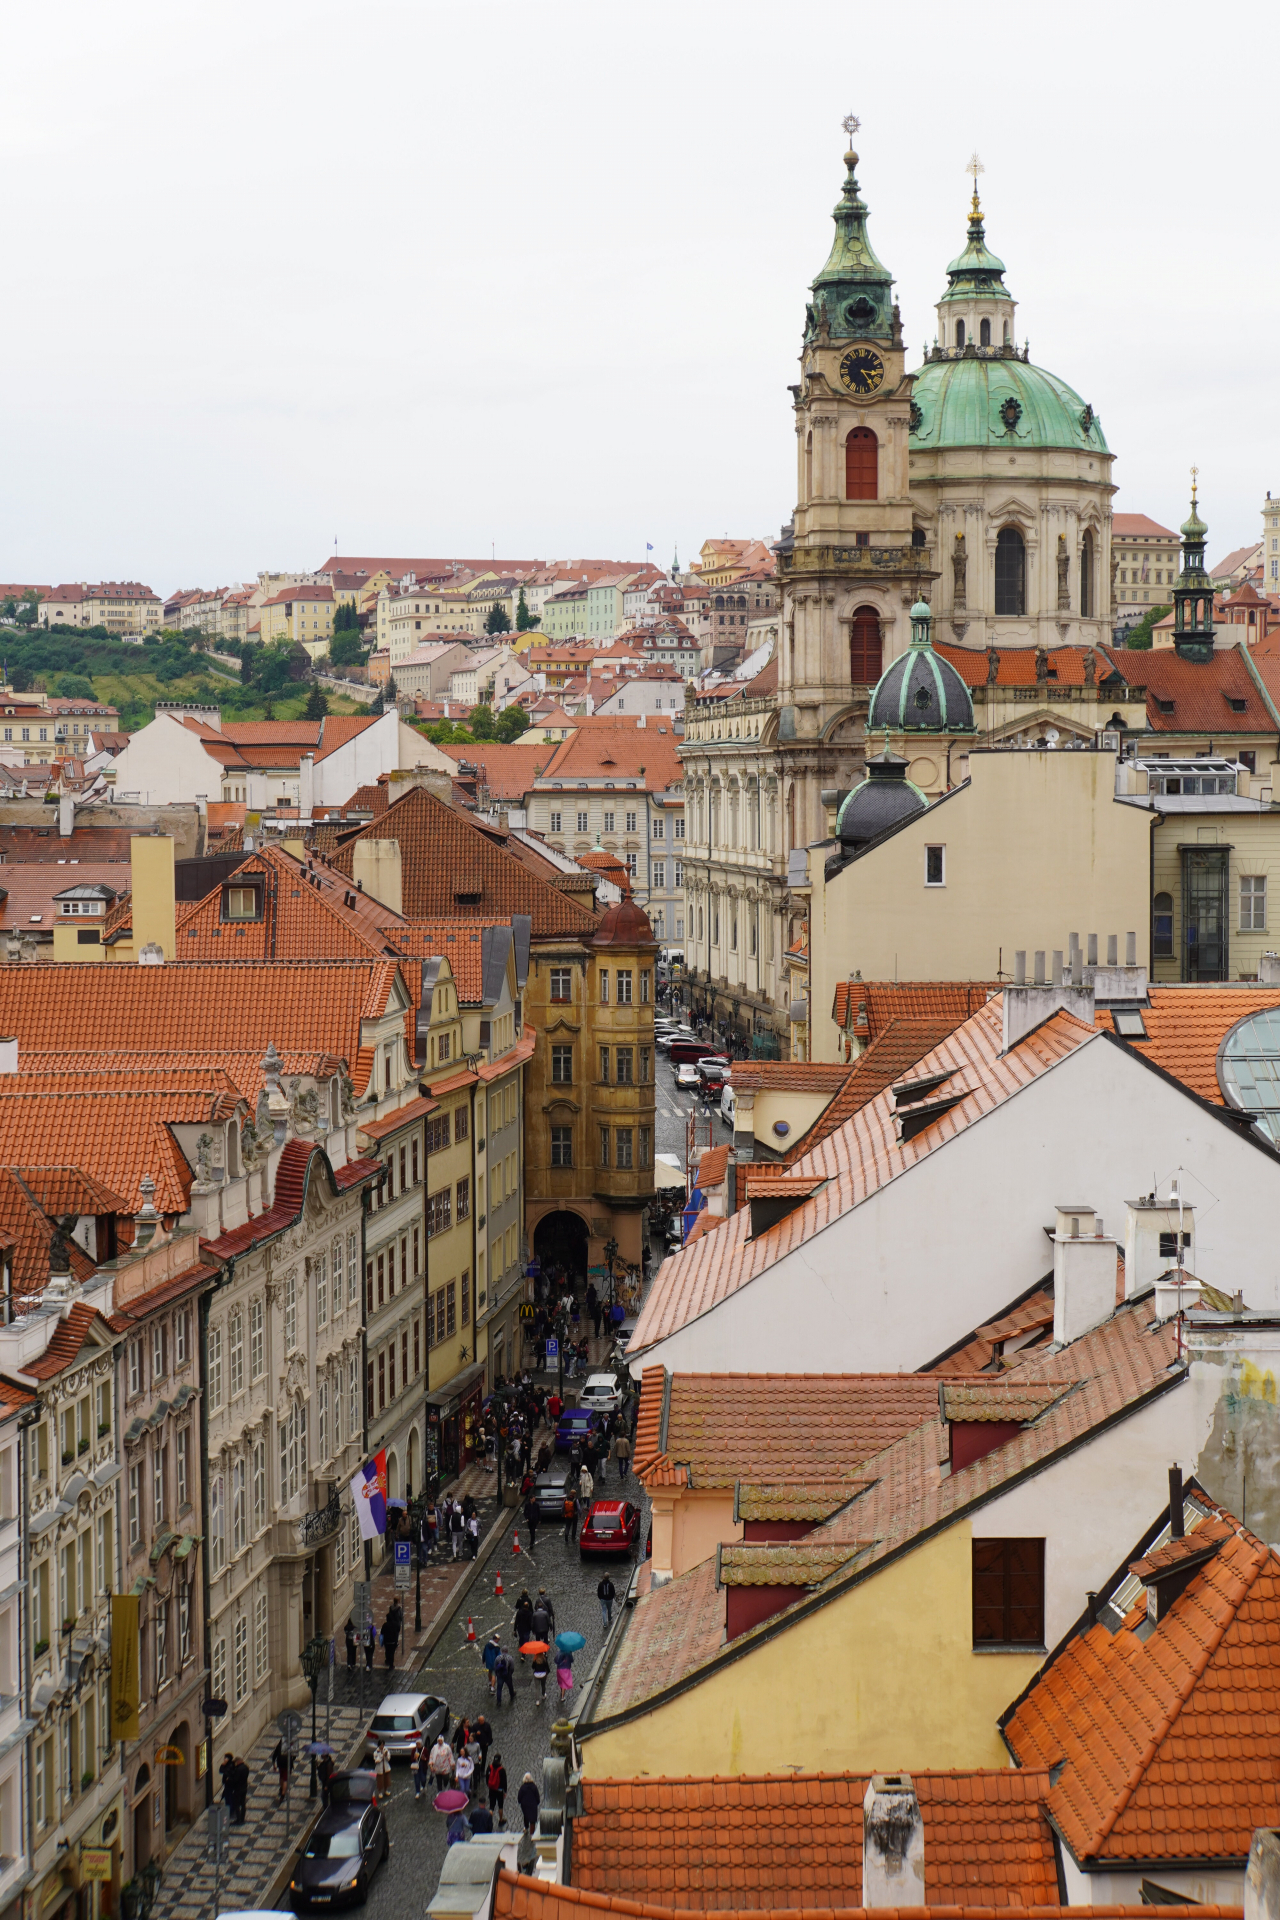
point(1196, 1670)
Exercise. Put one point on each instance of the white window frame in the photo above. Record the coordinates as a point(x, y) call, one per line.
point(941, 850)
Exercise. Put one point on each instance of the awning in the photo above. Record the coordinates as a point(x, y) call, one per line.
point(449, 1398)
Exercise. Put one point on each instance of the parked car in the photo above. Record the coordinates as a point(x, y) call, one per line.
point(728, 1105)
point(355, 1788)
point(695, 1050)
point(549, 1490)
point(611, 1526)
point(716, 1067)
point(340, 1859)
point(669, 1035)
point(686, 1075)
point(602, 1392)
point(403, 1721)
point(574, 1426)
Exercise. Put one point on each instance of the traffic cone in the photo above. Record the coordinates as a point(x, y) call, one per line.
point(471, 1628)
point(497, 1592)
point(515, 1543)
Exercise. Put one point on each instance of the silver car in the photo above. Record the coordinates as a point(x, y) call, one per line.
point(403, 1721)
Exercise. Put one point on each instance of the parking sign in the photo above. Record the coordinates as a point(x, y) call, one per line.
point(402, 1563)
point(553, 1347)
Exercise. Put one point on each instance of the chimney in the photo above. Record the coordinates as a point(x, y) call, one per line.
point(66, 816)
point(1177, 1526)
point(892, 1843)
point(1026, 1006)
point(1084, 1274)
point(1261, 1876)
point(154, 903)
point(376, 869)
point(9, 1054)
point(306, 785)
point(1151, 1247)
point(1269, 970)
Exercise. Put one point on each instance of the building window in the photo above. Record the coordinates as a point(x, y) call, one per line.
point(240, 903)
point(257, 1361)
point(463, 1211)
point(1008, 1593)
point(624, 986)
point(562, 1066)
point(562, 1146)
point(158, 1358)
point(1086, 576)
point(182, 1336)
point(450, 1309)
point(184, 1626)
point(935, 866)
point(218, 1669)
point(322, 1290)
point(659, 871)
point(353, 1268)
point(1253, 902)
point(290, 1312)
point(260, 1641)
point(336, 1263)
point(135, 1505)
point(437, 1133)
point(217, 1525)
point(215, 1368)
point(555, 823)
point(624, 1146)
point(582, 820)
point(135, 1367)
point(182, 1444)
point(608, 823)
point(864, 649)
point(439, 1211)
point(604, 1146)
point(645, 1146)
point(1162, 926)
point(157, 1486)
point(626, 1060)
point(604, 1063)
point(1011, 572)
point(861, 465)
point(560, 989)
point(239, 1517)
point(235, 1344)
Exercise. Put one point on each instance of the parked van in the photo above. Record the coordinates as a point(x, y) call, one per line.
point(727, 1106)
point(692, 1050)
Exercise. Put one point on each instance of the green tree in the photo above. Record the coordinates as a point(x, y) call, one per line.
point(525, 621)
point(481, 722)
point(497, 620)
point(512, 722)
point(28, 610)
point(317, 703)
point(1140, 636)
point(345, 617)
point(75, 686)
point(21, 679)
point(347, 649)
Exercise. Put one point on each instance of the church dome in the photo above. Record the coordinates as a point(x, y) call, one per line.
point(1004, 403)
point(920, 692)
point(885, 798)
point(625, 925)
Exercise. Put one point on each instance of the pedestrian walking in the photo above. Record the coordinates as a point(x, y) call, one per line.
point(324, 1770)
point(280, 1761)
point(349, 1635)
point(564, 1675)
point(606, 1594)
point(483, 1734)
point(541, 1674)
point(370, 1645)
point(391, 1635)
point(544, 1601)
point(440, 1762)
point(473, 1534)
point(382, 1767)
point(622, 1454)
point(240, 1785)
point(570, 1518)
point(531, 1518)
point(480, 1820)
point(492, 1648)
point(421, 1772)
point(228, 1791)
point(496, 1781)
point(522, 1625)
point(463, 1769)
point(456, 1525)
point(505, 1675)
point(530, 1800)
point(586, 1485)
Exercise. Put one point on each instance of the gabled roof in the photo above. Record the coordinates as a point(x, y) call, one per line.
point(82, 1324)
point(893, 1052)
point(507, 772)
point(1195, 695)
point(1165, 1735)
point(754, 1841)
point(858, 1158)
point(866, 1007)
point(1187, 1025)
point(311, 912)
point(624, 753)
point(451, 868)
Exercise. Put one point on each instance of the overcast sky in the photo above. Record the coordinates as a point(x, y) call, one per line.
point(430, 279)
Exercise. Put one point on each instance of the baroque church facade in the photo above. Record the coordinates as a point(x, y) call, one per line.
point(979, 483)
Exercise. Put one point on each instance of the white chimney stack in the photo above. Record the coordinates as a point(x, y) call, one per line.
point(892, 1843)
point(1151, 1246)
point(1084, 1273)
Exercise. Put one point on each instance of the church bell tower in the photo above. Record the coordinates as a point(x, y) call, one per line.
point(851, 564)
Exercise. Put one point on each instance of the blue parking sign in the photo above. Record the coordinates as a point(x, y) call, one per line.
point(402, 1562)
point(553, 1347)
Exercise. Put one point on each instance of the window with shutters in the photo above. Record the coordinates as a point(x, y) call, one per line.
point(1008, 1593)
point(861, 465)
point(864, 647)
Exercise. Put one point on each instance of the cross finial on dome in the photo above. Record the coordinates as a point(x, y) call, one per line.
point(1194, 472)
point(851, 123)
point(975, 167)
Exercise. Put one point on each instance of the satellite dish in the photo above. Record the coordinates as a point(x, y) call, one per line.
point(1051, 736)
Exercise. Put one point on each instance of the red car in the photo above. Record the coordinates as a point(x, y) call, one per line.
point(612, 1526)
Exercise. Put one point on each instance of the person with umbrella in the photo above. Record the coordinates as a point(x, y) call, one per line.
point(530, 1800)
point(541, 1668)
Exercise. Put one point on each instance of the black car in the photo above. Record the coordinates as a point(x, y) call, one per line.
point(550, 1487)
point(356, 1789)
point(341, 1858)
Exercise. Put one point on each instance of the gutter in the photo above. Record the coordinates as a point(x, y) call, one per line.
point(801, 1610)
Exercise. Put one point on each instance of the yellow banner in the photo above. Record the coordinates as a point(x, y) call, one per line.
point(124, 1666)
point(95, 1863)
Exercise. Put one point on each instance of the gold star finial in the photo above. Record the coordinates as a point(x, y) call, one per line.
point(851, 123)
point(975, 167)
point(1194, 473)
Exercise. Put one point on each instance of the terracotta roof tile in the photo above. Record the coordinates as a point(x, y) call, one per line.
point(301, 1161)
point(242, 1066)
point(1011, 1397)
point(816, 1502)
point(713, 1166)
point(788, 1076)
point(310, 912)
point(1166, 1735)
point(784, 1564)
point(866, 1007)
point(1187, 1025)
point(67, 1343)
point(754, 1842)
point(893, 1051)
point(646, 754)
point(506, 772)
point(1017, 667)
point(858, 1158)
point(1197, 690)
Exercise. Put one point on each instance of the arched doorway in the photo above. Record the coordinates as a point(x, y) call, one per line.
point(1011, 572)
point(415, 1465)
point(561, 1240)
point(862, 465)
point(177, 1813)
point(393, 1476)
point(864, 647)
point(142, 1817)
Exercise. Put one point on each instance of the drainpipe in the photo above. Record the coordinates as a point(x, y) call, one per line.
point(206, 1594)
point(26, 1421)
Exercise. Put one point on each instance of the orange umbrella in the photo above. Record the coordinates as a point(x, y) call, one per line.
point(535, 1646)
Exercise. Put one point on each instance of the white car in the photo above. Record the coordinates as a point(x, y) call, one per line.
point(602, 1392)
point(728, 1104)
point(687, 1075)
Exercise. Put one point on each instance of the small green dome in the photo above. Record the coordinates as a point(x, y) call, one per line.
point(922, 610)
point(1194, 528)
point(999, 403)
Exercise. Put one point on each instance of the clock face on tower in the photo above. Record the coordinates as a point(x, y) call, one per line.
point(861, 370)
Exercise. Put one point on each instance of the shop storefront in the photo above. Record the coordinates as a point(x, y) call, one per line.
point(454, 1433)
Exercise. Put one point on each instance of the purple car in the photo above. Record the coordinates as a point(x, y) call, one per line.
point(576, 1424)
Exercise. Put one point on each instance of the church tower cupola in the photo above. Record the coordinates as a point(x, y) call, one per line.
point(853, 295)
point(975, 314)
point(1193, 595)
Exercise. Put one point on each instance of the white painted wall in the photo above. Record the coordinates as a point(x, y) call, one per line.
point(165, 763)
point(958, 1236)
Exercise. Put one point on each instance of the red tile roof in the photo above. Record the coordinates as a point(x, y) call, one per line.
point(1198, 691)
point(68, 1342)
point(1166, 1736)
point(301, 1161)
point(866, 1007)
point(1187, 1025)
point(311, 912)
point(788, 1076)
point(893, 1052)
point(1017, 665)
point(505, 772)
point(619, 753)
point(1136, 525)
point(794, 1840)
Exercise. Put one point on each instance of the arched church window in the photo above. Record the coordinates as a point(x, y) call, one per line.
point(1011, 572)
point(861, 465)
point(742, 601)
point(984, 334)
point(1086, 577)
point(959, 333)
point(864, 647)
point(1006, 333)
point(720, 602)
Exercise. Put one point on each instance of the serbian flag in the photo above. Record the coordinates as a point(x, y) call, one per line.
point(369, 1491)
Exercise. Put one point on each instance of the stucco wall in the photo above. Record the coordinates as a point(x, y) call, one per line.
point(164, 762)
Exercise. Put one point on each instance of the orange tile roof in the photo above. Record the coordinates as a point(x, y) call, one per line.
point(712, 1166)
point(1200, 691)
point(311, 913)
point(301, 1161)
point(618, 753)
point(754, 1841)
point(312, 1005)
point(893, 1052)
point(451, 869)
point(507, 772)
point(26, 892)
point(25, 1232)
point(1033, 1316)
point(68, 1342)
point(788, 1076)
point(866, 1007)
point(1017, 666)
point(1139, 524)
point(379, 1130)
point(858, 1158)
point(1115, 1368)
point(241, 1065)
point(1166, 1736)
point(1187, 1025)
point(801, 1428)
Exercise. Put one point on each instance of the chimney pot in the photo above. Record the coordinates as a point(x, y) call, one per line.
point(1131, 949)
point(1056, 975)
point(892, 1843)
point(1020, 967)
point(1113, 950)
point(1176, 1528)
point(1093, 949)
point(1039, 979)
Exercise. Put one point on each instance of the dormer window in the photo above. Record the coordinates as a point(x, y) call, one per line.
point(242, 900)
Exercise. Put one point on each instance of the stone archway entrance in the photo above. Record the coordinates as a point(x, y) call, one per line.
point(561, 1240)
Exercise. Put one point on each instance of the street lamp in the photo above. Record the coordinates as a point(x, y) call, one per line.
point(314, 1656)
point(418, 1515)
point(610, 1255)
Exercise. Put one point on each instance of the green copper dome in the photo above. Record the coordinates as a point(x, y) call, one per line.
point(999, 402)
point(977, 270)
point(854, 291)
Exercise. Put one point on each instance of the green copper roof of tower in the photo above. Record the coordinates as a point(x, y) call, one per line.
point(976, 270)
point(999, 403)
point(854, 289)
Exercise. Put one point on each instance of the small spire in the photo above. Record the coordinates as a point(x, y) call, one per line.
point(975, 167)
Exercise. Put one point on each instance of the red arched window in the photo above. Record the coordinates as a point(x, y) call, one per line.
point(864, 647)
point(861, 465)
